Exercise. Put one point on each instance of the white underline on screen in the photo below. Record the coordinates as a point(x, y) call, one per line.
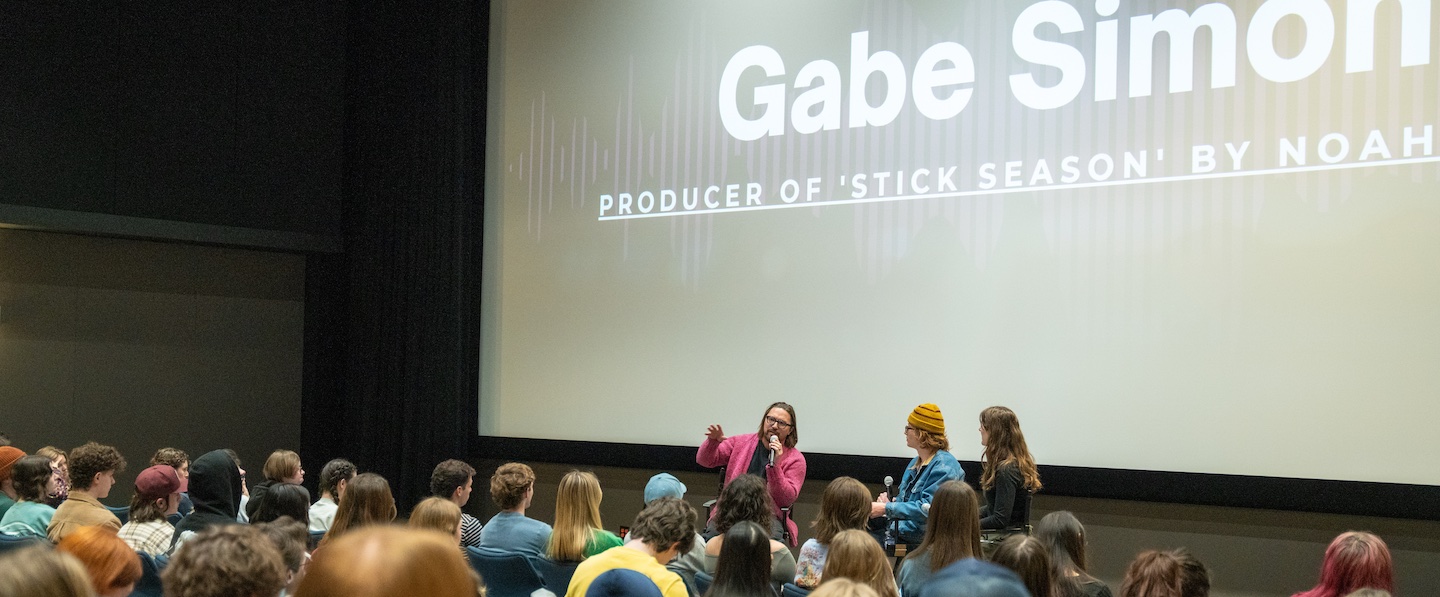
point(1030, 189)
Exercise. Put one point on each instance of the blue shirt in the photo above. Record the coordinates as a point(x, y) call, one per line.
point(916, 489)
point(514, 533)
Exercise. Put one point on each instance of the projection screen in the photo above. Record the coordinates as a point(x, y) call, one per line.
point(1173, 236)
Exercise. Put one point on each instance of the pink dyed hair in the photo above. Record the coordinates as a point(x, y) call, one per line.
point(1354, 560)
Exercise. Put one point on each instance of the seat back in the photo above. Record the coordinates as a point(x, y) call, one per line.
point(791, 589)
point(10, 543)
point(150, 569)
point(702, 581)
point(505, 574)
point(122, 513)
point(315, 537)
point(555, 574)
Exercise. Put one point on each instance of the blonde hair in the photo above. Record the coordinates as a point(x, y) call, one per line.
point(389, 561)
point(843, 587)
point(436, 514)
point(577, 516)
point(855, 555)
point(281, 465)
point(44, 572)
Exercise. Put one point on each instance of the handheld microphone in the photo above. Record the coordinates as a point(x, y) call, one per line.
point(925, 508)
point(773, 439)
point(889, 487)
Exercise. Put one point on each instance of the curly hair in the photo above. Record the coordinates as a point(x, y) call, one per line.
point(173, 457)
point(509, 484)
point(30, 475)
point(745, 498)
point(92, 459)
point(665, 523)
point(225, 561)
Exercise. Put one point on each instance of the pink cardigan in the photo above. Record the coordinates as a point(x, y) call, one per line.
point(784, 481)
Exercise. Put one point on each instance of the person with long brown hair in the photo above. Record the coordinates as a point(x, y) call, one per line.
point(113, 566)
point(1009, 477)
point(744, 561)
point(1354, 560)
point(844, 505)
point(1063, 534)
point(744, 499)
point(769, 453)
point(857, 556)
point(578, 532)
point(952, 534)
point(367, 501)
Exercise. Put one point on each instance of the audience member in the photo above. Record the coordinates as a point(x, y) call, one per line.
point(58, 457)
point(932, 465)
point(454, 480)
point(662, 530)
point(8, 457)
point(623, 583)
point(231, 560)
point(511, 487)
point(92, 474)
point(1173, 573)
point(43, 572)
point(1030, 560)
point(34, 479)
point(282, 499)
point(692, 559)
point(1354, 560)
point(157, 496)
point(1009, 476)
point(742, 570)
point(180, 461)
point(844, 587)
point(578, 532)
point(283, 466)
point(367, 501)
point(1062, 533)
point(215, 487)
point(333, 479)
point(289, 536)
point(1370, 593)
point(4, 439)
point(113, 566)
point(389, 561)
point(844, 505)
point(437, 514)
point(952, 533)
point(770, 454)
point(857, 556)
point(972, 577)
point(240, 516)
point(746, 498)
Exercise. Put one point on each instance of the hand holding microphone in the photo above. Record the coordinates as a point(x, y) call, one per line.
point(776, 448)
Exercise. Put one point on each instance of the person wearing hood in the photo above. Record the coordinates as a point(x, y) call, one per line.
point(215, 488)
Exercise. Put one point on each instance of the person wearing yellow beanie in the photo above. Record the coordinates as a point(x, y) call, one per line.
point(933, 464)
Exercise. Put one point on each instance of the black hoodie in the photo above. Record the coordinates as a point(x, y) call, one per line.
point(215, 489)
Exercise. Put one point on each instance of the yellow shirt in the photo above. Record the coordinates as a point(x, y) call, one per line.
point(631, 559)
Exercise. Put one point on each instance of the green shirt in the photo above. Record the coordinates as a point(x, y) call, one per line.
point(601, 540)
point(5, 503)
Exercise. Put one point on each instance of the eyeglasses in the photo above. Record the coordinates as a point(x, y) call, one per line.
point(909, 428)
point(776, 421)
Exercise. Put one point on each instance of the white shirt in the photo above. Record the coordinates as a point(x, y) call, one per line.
point(322, 514)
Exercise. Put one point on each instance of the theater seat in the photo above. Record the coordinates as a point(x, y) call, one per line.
point(555, 574)
point(505, 574)
point(150, 569)
point(10, 543)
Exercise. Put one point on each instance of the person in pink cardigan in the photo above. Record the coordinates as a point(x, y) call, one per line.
point(750, 453)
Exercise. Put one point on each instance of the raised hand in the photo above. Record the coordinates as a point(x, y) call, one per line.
point(715, 433)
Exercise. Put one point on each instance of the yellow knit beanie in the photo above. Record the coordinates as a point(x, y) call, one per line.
point(927, 416)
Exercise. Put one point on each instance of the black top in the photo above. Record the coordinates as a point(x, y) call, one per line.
point(215, 489)
point(759, 459)
point(1007, 502)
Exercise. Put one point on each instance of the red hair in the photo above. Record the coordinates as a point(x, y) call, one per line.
point(1355, 560)
point(110, 562)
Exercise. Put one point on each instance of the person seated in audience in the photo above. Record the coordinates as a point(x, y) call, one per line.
point(1063, 534)
point(290, 538)
point(232, 560)
point(333, 479)
point(59, 459)
point(769, 453)
point(283, 466)
point(933, 464)
point(952, 533)
point(855, 555)
point(1030, 560)
point(454, 480)
point(1009, 476)
point(34, 479)
point(437, 514)
point(43, 572)
point(746, 498)
point(662, 530)
point(1354, 560)
point(743, 567)
point(389, 561)
point(1370, 593)
point(691, 559)
point(180, 461)
point(367, 502)
point(973, 577)
point(9, 455)
point(511, 487)
point(578, 532)
point(4, 439)
point(844, 587)
point(113, 566)
point(844, 505)
point(240, 516)
point(157, 496)
point(1173, 573)
point(620, 582)
point(92, 474)
point(215, 488)
point(284, 499)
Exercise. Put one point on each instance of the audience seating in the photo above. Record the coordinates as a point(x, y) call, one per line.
point(122, 513)
point(702, 581)
point(505, 574)
point(150, 568)
point(315, 537)
point(11, 542)
point(791, 589)
point(556, 574)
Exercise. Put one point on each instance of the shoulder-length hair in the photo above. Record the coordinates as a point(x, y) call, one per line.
point(1030, 560)
point(383, 561)
point(1354, 560)
point(855, 555)
point(1063, 534)
point(844, 505)
point(367, 501)
point(952, 530)
point(283, 499)
point(744, 566)
point(110, 562)
point(436, 514)
point(745, 498)
point(1006, 444)
point(790, 438)
point(281, 465)
point(577, 516)
point(1165, 574)
point(30, 475)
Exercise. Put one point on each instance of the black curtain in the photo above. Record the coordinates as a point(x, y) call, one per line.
point(392, 338)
